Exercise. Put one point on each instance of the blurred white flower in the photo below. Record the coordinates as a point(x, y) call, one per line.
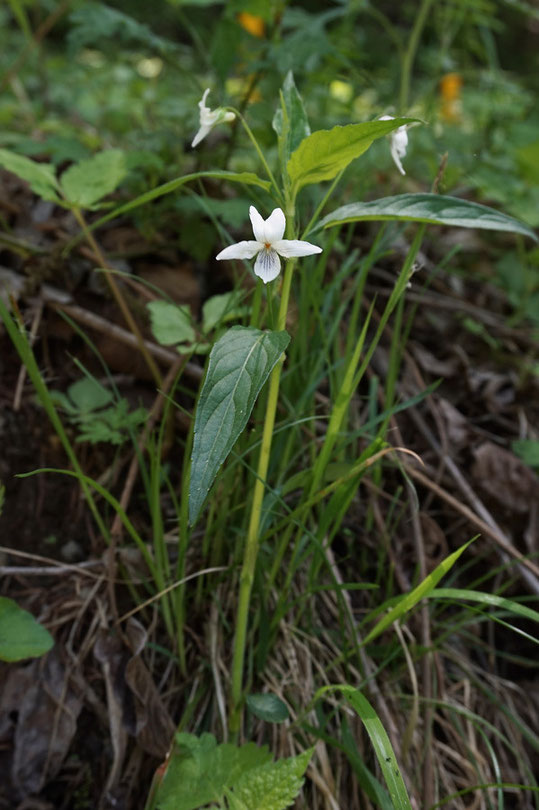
point(399, 142)
point(269, 245)
point(210, 118)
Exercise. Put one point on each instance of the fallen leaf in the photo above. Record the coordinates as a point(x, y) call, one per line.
point(505, 477)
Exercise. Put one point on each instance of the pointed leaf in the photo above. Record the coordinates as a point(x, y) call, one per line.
point(238, 367)
point(410, 600)
point(41, 177)
point(435, 209)
point(272, 786)
point(90, 180)
point(382, 747)
point(21, 636)
point(325, 153)
point(297, 124)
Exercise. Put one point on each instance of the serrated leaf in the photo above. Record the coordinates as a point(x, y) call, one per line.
point(21, 636)
point(90, 180)
point(239, 365)
point(272, 786)
point(435, 209)
point(325, 153)
point(268, 707)
point(41, 177)
point(200, 771)
point(170, 323)
point(297, 124)
point(221, 307)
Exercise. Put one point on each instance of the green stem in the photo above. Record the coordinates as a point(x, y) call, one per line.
point(251, 543)
point(410, 53)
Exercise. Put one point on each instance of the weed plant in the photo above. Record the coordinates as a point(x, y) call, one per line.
point(272, 558)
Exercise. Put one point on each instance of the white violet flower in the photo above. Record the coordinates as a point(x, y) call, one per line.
point(399, 142)
point(269, 245)
point(210, 118)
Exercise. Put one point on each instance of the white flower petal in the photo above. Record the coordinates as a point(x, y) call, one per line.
point(396, 154)
point(274, 226)
point(258, 224)
point(241, 250)
point(267, 265)
point(201, 134)
point(202, 102)
point(295, 247)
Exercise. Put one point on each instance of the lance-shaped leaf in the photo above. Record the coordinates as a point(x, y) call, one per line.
point(326, 152)
point(291, 122)
point(40, 177)
point(238, 367)
point(435, 209)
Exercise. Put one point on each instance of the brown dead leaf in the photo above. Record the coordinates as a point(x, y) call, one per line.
point(43, 707)
point(432, 364)
point(505, 477)
point(434, 541)
point(457, 426)
point(135, 707)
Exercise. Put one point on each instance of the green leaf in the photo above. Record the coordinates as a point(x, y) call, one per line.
point(434, 209)
point(88, 395)
point(409, 600)
point(171, 323)
point(247, 178)
point(527, 450)
point(88, 181)
point(220, 308)
point(21, 636)
point(296, 127)
point(322, 155)
point(272, 786)
point(200, 771)
point(41, 177)
point(268, 707)
point(239, 365)
point(382, 747)
point(489, 600)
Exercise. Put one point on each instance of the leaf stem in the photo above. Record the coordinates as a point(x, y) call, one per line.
point(251, 543)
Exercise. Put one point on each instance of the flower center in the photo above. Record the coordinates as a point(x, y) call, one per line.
point(267, 245)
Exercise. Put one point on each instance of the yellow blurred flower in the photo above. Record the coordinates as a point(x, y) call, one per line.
point(251, 23)
point(450, 87)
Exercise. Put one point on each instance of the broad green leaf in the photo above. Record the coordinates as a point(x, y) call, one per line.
point(382, 747)
point(221, 308)
point(296, 126)
point(21, 636)
point(268, 707)
point(90, 180)
point(239, 365)
point(322, 155)
point(200, 771)
point(171, 323)
point(409, 600)
point(41, 177)
point(434, 209)
point(272, 786)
